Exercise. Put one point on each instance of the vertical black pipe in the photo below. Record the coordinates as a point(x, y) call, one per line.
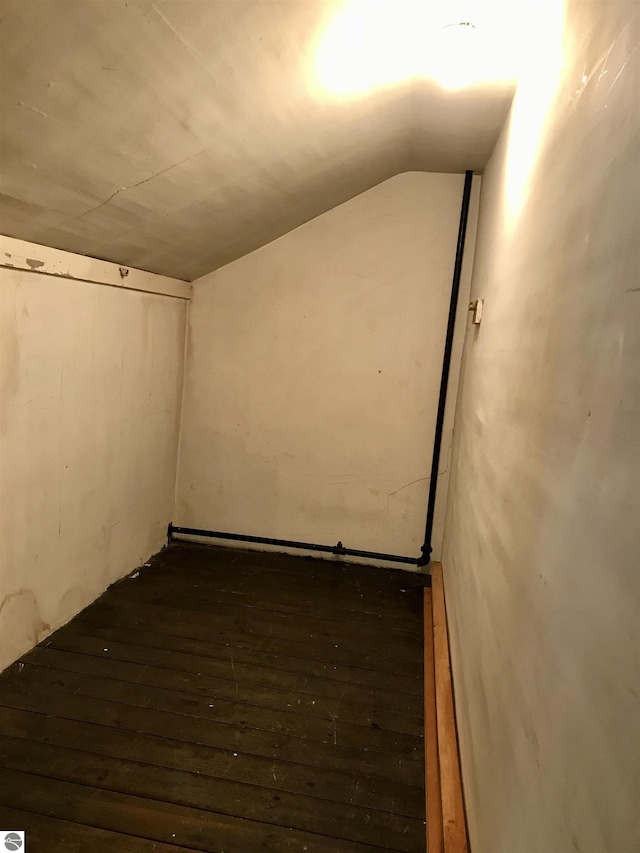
point(446, 364)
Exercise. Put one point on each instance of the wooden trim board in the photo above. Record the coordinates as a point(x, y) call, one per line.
point(454, 831)
point(31, 257)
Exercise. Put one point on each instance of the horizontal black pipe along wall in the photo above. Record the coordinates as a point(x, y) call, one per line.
point(338, 549)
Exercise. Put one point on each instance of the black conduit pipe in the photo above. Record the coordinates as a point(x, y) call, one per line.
point(446, 365)
point(338, 549)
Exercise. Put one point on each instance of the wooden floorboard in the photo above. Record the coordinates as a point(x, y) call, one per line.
point(236, 586)
point(358, 611)
point(222, 700)
point(405, 768)
point(284, 635)
point(328, 785)
point(142, 630)
point(241, 715)
point(200, 687)
point(239, 675)
point(324, 634)
point(47, 833)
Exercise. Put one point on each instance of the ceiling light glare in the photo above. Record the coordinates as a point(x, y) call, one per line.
point(457, 56)
point(372, 45)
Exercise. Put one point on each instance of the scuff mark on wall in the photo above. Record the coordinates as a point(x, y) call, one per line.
point(25, 615)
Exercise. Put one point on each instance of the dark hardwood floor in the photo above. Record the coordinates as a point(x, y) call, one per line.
point(223, 700)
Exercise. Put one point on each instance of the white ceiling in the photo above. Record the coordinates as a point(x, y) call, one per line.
point(178, 135)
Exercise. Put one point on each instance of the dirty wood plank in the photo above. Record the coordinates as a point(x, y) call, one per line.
point(405, 768)
point(323, 633)
point(400, 617)
point(402, 606)
point(200, 687)
point(195, 829)
point(277, 776)
point(234, 799)
point(329, 729)
point(46, 834)
point(252, 649)
point(360, 587)
point(242, 676)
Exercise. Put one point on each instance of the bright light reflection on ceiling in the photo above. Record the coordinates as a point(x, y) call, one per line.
point(373, 44)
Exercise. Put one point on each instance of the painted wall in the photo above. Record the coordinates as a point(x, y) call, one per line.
point(542, 552)
point(90, 385)
point(313, 371)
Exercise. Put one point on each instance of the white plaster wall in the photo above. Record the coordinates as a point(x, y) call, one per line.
point(313, 371)
point(542, 554)
point(90, 383)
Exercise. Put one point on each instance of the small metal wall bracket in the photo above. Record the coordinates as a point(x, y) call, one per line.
point(477, 307)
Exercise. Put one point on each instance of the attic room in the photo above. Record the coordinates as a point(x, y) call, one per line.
point(319, 426)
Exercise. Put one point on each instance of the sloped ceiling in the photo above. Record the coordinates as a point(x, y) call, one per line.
point(178, 135)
